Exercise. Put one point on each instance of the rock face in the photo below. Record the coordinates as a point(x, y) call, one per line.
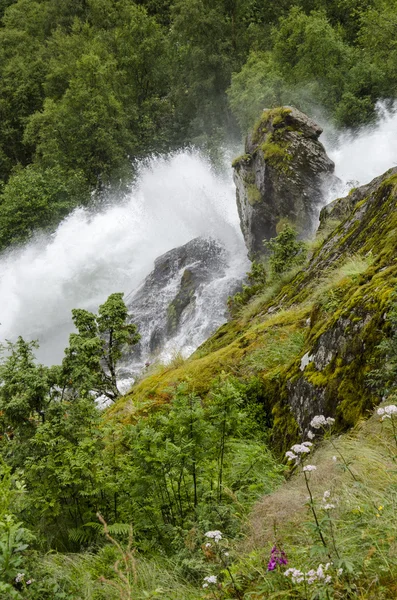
point(311, 347)
point(347, 322)
point(169, 297)
point(281, 177)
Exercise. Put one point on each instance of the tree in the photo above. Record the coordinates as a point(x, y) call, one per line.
point(310, 65)
point(26, 387)
point(285, 251)
point(90, 363)
point(37, 198)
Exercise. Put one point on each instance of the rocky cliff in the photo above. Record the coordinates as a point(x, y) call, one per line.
point(306, 346)
point(281, 177)
point(307, 341)
point(170, 297)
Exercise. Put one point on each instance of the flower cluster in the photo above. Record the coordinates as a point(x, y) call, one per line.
point(20, 578)
point(387, 412)
point(296, 575)
point(309, 468)
point(215, 535)
point(297, 449)
point(277, 557)
point(210, 579)
point(326, 504)
point(320, 421)
point(314, 575)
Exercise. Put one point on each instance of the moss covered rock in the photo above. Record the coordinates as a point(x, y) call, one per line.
point(312, 340)
point(280, 176)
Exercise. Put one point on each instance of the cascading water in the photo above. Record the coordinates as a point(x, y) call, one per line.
point(93, 254)
point(176, 199)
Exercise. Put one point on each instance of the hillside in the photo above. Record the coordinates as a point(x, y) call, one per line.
point(308, 339)
point(172, 427)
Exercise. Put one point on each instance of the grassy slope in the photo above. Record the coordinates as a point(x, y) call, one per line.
point(337, 301)
point(340, 298)
point(363, 539)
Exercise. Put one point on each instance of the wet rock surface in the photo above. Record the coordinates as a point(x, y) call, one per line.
point(281, 177)
point(170, 297)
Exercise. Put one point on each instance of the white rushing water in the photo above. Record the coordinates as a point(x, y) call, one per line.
point(91, 255)
point(176, 199)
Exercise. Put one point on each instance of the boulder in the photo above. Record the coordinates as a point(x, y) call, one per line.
point(281, 177)
point(167, 299)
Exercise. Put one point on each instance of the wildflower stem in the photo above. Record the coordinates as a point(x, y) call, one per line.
point(305, 582)
point(314, 512)
point(331, 526)
point(343, 460)
point(394, 429)
point(239, 596)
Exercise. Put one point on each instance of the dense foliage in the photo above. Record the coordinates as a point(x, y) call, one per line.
point(186, 467)
point(87, 88)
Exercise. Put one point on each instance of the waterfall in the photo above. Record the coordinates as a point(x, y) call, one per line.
point(176, 198)
point(94, 253)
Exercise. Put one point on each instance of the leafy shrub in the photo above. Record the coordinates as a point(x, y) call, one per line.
point(257, 278)
point(285, 250)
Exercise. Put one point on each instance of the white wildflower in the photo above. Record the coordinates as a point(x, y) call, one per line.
point(328, 579)
point(308, 444)
point(386, 417)
point(328, 506)
point(326, 495)
point(380, 411)
point(327, 566)
point(226, 554)
point(19, 577)
point(320, 572)
point(296, 575)
point(310, 435)
point(391, 409)
point(208, 545)
point(205, 585)
point(318, 421)
point(311, 576)
point(300, 449)
point(290, 455)
point(334, 458)
point(215, 535)
point(210, 579)
point(309, 468)
point(339, 572)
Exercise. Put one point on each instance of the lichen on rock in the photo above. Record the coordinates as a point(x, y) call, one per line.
point(281, 176)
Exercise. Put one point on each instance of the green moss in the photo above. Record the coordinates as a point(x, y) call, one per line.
point(243, 159)
point(248, 177)
point(275, 153)
point(253, 194)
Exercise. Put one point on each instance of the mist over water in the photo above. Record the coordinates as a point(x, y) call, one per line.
point(91, 255)
point(359, 157)
point(176, 199)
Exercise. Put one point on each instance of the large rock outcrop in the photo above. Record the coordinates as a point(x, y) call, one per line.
point(281, 177)
point(310, 347)
point(169, 301)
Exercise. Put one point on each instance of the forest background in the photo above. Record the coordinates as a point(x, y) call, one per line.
point(87, 89)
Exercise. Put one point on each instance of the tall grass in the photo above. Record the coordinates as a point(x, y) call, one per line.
point(364, 528)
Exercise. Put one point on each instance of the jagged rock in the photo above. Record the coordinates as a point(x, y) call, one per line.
point(281, 177)
point(341, 208)
point(331, 378)
point(167, 297)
